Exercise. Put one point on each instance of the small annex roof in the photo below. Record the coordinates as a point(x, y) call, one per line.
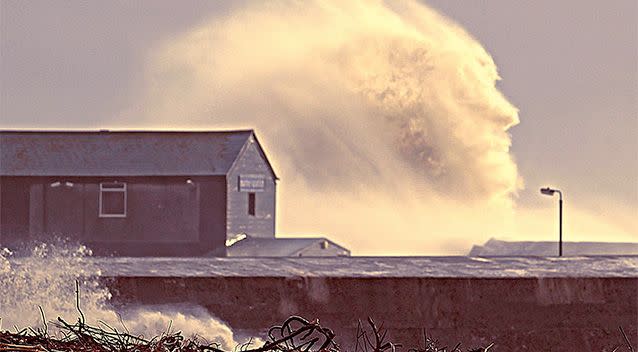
point(285, 247)
point(120, 153)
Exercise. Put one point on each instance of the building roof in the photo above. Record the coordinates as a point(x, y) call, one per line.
point(283, 247)
point(120, 153)
point(495, 247)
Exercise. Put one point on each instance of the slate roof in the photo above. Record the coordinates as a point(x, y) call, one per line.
point(280, 247)
point(119, 153)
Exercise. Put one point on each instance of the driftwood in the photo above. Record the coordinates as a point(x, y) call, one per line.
point(296, 334)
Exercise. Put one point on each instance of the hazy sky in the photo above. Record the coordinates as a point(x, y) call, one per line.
point(570, 67)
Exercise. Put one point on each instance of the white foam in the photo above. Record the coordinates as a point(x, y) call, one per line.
point(46, 277)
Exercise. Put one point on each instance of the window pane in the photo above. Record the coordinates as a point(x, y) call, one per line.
point(113, 203)
point(251, 203)
point(112, 186)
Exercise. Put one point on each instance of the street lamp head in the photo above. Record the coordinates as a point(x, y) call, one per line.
point(548, 191)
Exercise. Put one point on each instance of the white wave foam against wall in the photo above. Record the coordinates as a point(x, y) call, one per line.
point(46, 278)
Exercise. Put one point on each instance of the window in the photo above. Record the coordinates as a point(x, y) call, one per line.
point(251, 204)
point(113, 200)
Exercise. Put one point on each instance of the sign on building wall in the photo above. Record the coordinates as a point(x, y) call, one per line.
point(252, 183)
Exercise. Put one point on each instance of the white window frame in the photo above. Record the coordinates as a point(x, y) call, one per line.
point(107, 189)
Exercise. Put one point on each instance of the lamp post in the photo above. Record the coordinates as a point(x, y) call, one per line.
point(550, 192)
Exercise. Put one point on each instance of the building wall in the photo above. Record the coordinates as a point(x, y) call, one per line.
point(212, 219)
point(165, 215)
point(14, 209)
point(159, 212)
point(262, 224)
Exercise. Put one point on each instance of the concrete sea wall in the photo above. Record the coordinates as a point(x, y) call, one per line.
point(517, 314)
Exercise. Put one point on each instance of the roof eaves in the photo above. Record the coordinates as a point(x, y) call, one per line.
point(261, 151)
point(332, 243)
point(303, 248)
point(240, 154)
point(234, 138)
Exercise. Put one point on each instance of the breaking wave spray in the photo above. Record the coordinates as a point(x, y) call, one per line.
point(45, 277)
point(381, 117)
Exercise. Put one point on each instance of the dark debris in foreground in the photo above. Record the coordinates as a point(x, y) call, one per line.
point(295, 334)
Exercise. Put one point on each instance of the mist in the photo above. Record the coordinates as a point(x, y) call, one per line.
point(382, 119)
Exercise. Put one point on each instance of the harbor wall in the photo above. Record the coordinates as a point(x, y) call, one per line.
point(516, 314)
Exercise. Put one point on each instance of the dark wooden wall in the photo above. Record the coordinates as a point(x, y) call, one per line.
point(14, 209)
point(165, 215)
point(212, 218)
point(262, 224)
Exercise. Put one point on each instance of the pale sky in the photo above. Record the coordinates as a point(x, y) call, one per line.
point(570, 67)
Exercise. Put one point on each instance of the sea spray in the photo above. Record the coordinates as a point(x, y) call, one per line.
point(45, 276)
point(378, 86)
point(380, 117)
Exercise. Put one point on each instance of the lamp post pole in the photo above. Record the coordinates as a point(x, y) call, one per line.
point(560, 224)
point(550, 192)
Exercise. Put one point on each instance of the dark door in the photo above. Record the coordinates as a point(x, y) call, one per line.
point(64, 210)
